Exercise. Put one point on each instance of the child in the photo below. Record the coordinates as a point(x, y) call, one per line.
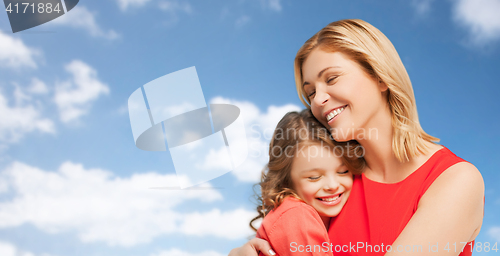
point(308, 181)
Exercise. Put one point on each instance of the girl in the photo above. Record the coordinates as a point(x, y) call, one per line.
point(307, 182)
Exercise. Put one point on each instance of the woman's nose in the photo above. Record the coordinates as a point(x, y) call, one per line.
point(321, 97)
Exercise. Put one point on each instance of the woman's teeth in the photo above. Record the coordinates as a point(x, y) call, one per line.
point(334, 113)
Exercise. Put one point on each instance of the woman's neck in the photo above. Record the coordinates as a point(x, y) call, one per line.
point(382, 164)
point(380, 159)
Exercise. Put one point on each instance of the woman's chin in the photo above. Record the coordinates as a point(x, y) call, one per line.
point(341, 135)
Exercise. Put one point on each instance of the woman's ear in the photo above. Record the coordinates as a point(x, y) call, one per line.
point(382, 86)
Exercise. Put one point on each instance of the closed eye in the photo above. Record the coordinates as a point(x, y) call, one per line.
point(344, 172)
point(330, 79)
point(311, 94)
point(313, 178)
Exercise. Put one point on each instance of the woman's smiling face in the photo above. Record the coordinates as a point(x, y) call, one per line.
point(343, 96)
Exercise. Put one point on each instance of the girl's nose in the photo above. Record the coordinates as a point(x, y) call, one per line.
point(331, 184)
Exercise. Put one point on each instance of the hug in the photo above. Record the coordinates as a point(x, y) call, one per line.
point(396, 190)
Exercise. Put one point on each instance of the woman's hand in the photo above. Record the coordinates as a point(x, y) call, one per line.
point(252, 248)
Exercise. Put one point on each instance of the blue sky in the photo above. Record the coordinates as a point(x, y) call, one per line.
point(72, 181)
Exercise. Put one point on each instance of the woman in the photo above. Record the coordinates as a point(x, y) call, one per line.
point(414, 197)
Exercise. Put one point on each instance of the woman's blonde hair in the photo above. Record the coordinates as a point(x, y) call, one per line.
point(376, 55)
point(293, 131)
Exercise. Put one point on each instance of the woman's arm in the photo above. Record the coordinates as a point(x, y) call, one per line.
point(449, 214)
point(252, 248)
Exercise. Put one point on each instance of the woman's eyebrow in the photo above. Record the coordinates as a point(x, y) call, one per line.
point(320, 73)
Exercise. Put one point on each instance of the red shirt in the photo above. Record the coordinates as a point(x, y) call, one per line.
point(295, 228)
point(376, 213)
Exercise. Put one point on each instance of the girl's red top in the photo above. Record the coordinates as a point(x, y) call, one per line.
point(295, 228)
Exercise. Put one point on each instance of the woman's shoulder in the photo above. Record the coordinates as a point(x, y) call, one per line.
point(445, 169)
point(458, 192)
point(453, 168)
point(455, 177)
point(437, 160)
point(461, 175)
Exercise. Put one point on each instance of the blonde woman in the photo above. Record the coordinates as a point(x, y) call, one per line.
point(415, 197)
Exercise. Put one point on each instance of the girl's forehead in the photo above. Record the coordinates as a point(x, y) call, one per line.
point(315, 157)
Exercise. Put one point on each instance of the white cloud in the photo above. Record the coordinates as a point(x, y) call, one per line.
point(174, 110)
point(7, 249)
point(422, 7)
point(122, 110)
point(37, 86)
point(172, 7)
point(228, 225)
point(273, 5)
point(99, 206)
point(241, 21)
point(259, 127)
point(21, 118)
point(15, 54)
point(177, 252)
point(80, 17)
point(215, 159)
point(494, 233)
point(125, 4)
point(74, 97)
point(175, 6)
point(224, 13)
point(20, 96)
point(480, 18)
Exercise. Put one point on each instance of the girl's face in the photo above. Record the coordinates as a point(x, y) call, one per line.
point(320, 179)
point(343, 97)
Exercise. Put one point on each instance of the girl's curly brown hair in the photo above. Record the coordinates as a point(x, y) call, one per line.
point(297, 129)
